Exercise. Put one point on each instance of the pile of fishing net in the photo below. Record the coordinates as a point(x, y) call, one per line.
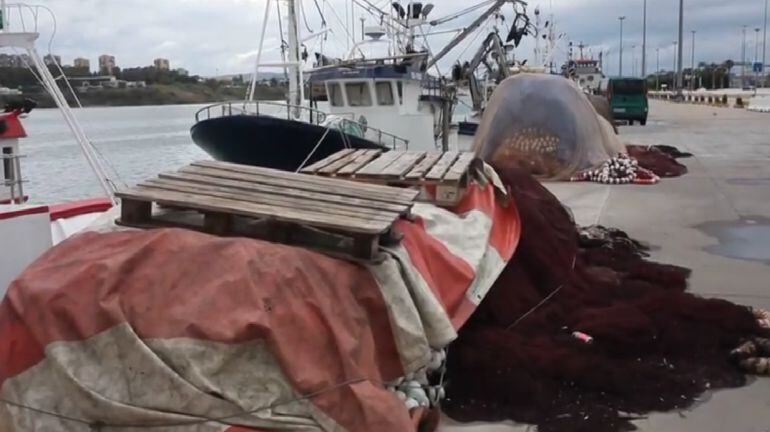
point(620, 169)
point(661, 160)
point(582, 333)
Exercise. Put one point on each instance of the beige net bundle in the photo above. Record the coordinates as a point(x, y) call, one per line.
point(546, 125)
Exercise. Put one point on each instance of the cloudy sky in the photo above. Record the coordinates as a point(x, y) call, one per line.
point(210, 37)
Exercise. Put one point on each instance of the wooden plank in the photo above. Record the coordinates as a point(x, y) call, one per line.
point(376, 166)
point(419, 171)
point(359, 163)
point(133, 211)
point(253, 210)
point(340, 163)
point(442, 166)
point(326, 161)
point(330, 197)
point(403, 165)
point(276, 200)
point(395, 194)
point(339, 187)
point(459, 168)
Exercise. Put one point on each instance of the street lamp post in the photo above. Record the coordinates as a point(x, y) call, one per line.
point(692, 63)
point(657, 68)
point(644, 41)
point(633, 60)
point(620, 62)
point(673, 70)
point(679, 52)
point(764, 41)
point(756, 57)
point(743, 59)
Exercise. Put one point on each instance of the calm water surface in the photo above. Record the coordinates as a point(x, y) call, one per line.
point(138, 142)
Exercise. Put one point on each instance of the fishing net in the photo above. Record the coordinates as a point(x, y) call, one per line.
point(654, 347)
point(545, 125)
point(659, 159)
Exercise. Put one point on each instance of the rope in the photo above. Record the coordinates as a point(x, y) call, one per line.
point(318, 144)
point(98, 425)
point(541, 303)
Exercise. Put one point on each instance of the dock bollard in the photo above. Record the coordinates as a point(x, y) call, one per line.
point(739, 102)
point(724, 100)
point(711, 100)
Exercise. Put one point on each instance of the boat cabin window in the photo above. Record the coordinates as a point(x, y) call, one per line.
point(358, 94)
point(400, 87)
point(335, 95)
point(384, 93)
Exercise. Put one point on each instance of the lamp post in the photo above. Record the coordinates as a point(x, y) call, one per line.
point(673, 70)
point(743, 59)
point(620, 62)
point(657, 68)
point(679, 51)
point(692, 62)
point(644, 40)
point(764, 40)
point(633, 60)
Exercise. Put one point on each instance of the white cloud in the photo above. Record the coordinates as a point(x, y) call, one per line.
point(221, 36)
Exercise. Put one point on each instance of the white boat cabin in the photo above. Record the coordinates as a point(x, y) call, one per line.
point(395, 98)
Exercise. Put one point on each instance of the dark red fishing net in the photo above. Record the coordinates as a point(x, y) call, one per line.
point(659, 159)
point(655, 347)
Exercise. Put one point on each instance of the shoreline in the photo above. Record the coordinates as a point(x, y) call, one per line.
point(172, 94)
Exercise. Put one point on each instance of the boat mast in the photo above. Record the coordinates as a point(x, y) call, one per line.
point(468, 31)
point(294, 65)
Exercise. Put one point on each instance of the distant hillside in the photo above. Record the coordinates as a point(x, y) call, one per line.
point(160, 94)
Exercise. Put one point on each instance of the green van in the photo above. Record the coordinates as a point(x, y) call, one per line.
point(628, 99)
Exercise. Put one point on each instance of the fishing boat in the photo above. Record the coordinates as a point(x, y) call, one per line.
point(33, 228)
point(390, 101)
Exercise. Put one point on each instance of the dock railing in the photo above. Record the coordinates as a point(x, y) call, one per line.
point(297, 113)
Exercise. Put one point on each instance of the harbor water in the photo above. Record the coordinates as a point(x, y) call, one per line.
point(137, 143)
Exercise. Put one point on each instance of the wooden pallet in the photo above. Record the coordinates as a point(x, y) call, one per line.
point(229, 199)
point(447, 171)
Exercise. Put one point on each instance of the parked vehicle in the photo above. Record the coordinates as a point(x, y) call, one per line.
point(627, 98)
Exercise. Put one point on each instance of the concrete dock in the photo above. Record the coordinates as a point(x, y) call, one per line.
point(714, 220)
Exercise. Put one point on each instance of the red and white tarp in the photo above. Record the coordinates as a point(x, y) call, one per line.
point(187, 331)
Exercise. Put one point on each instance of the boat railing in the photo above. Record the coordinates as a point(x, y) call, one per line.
point(13, 179)
point(21, 17)
point(297, 112)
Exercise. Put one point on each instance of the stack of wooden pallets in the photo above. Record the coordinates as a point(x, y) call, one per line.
point(229, 199)
point(444, 171)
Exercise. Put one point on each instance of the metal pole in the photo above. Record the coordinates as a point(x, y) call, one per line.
point(679, 52)
point(620, 62)
point(764, 41)
point(644, 41)
point(756, 57)
point(657, 68)
point(673, 71)
point(633, 60)
point(743, 59)
point(692, 63)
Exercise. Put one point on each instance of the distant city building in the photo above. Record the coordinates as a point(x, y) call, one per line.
point(106, 64)
point(82, 63)
point(182, 72)
point(162, 64)
point(52, 60)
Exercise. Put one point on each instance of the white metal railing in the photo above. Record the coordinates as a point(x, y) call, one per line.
point(314, 116)
point(13, 179)
point(20, 17)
